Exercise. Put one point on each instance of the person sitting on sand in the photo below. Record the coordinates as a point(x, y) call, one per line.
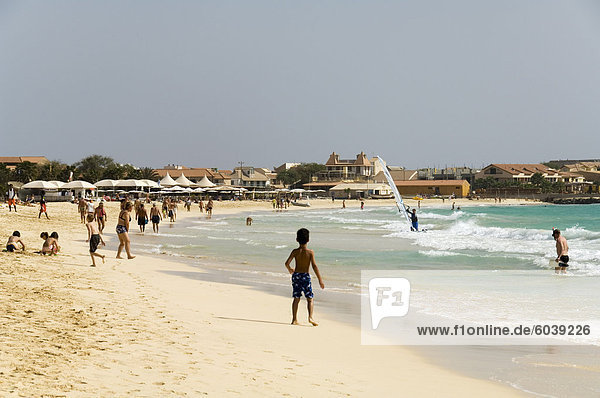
point(94, 238)
point(13, 241)
point(101, 216)
point(54, 236)
point(123, 231)
point(49, 246)
point(155, 217)
point(300, 275)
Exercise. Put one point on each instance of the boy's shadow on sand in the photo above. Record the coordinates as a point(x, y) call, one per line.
point(256, 320)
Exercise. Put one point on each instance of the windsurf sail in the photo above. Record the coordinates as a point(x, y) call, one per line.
point(397, 196)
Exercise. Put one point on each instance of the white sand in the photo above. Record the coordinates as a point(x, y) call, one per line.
point(136, 327)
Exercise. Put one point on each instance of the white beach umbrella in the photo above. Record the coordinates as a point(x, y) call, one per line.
point(131, 183)
point(106, 183)
point(39, 185)
point(151, 184)
point(298, 190)
point(167, 181)
point(183, 181)
point(78, 185)
point(199, 190)
point(59, 184)
point(175, 189)
point(205, 183)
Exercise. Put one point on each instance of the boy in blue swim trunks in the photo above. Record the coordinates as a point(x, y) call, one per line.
point(300, 275)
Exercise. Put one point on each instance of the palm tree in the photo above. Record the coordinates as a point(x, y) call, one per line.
point(148, 173)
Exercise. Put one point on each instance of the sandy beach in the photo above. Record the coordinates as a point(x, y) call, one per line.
point(152, 327)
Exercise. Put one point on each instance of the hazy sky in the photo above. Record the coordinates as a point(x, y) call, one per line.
point(212, 83)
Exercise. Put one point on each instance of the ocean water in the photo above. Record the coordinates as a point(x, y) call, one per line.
point(349, 240)
point(346, 241)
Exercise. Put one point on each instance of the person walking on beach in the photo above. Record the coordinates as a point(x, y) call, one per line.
point(155, 217)
point(81, 206)
point(43, 208)
point(11, 197)
point(123, 231)
point(562, 252)
point(171, 211)
point(90, 208)
point(142, 218)
point(300, 275)
point(201, 206)
point(95, 239)
point(362, 204)
point(101, 216)
point(209, 208)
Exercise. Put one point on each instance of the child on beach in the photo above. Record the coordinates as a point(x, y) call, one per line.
point(94, 238)
point(11, 245)
point(43, 208)
point(300, 275)
point(50, 245)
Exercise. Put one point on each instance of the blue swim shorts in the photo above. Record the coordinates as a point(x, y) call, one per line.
point(301, 283)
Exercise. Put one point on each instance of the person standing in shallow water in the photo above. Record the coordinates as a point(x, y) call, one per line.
point(562, 251)
point(142, 218)
point(155, 217)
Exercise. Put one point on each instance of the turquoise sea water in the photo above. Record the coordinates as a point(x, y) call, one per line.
point(475, 238)
point(345, 241)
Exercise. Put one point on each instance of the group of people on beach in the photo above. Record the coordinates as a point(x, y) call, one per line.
point(50, 245)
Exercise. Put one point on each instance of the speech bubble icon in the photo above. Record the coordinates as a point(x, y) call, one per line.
point(388, 297)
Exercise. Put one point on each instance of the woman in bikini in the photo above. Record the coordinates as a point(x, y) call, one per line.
point(122, 231)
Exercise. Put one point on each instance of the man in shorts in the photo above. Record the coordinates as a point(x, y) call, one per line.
point(562, 252)
point(12, 198)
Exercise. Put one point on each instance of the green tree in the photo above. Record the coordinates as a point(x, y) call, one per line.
point(537, 179)
point(25, 172)
point(131, 172)
point(114, 172)
point(53, 170)
point(300, 174)
point(148, 173)
point(92, 168)
point(4, 178)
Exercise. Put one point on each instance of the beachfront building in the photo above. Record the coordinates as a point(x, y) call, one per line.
point(360, 190)
point(359, 169)
point(195, 174)
point(12, 162)
point(398, 174)
point(518, 172)
point(457, 188)
point(502, 172)
point(448, 173)
point(252, 178)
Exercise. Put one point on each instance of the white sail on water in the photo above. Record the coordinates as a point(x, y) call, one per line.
point(397, 196)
